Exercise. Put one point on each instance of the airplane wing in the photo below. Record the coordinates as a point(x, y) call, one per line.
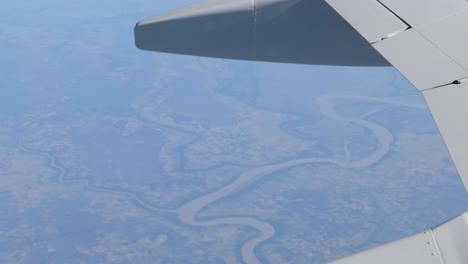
point(426, 40)
point(260, 30)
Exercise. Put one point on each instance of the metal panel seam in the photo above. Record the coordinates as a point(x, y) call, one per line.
point(442, 50)
point(395, 14)
point(456, 82)
point(433, 43)
point(254, 28)
point(254, 12)
point(437, 246)
point(444, 17)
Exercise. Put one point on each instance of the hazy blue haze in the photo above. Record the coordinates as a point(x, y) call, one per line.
point(109, 154)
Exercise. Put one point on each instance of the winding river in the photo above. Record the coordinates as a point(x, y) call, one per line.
point(187, 213)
